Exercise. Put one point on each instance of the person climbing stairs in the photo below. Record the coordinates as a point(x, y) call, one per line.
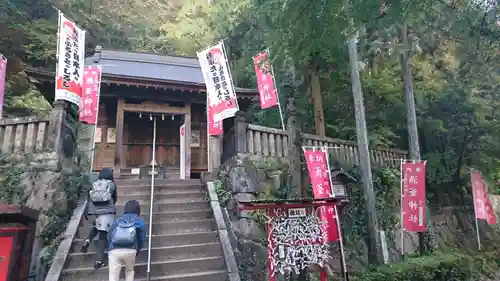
point(184, 243)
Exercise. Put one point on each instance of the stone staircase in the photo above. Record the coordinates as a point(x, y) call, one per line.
point(185, 242)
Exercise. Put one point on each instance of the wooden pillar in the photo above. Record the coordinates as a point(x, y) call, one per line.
point(240, 132)
point(187, 122)
point(119, 135)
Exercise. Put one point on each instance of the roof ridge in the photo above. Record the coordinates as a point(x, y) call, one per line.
point(146, 53)
point(149, 58)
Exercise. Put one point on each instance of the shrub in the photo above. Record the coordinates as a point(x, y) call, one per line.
point(446, 267)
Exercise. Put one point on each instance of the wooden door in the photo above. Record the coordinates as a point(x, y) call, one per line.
point(139, 145)
point(168, 141)
point(5, 254)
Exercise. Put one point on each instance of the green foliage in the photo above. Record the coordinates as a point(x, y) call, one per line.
point(29, 36)
point(446, 267)
point(455, 73)
point(223, 193)
point(387, 189)
point(11, 169)
point(268, 163)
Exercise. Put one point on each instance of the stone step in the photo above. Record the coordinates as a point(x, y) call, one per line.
point(163, 197)
point(174, 267)
point(167, 227)
point(169, 168)
point(165, 240)
point(166, 216)
point(142, 188)
point(160, 207)
point(208, 275)
point(78, 259)
point(127, 182)
point(128, 176)
point(212, 275)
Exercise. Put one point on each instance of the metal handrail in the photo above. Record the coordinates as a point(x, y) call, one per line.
point(151, 200)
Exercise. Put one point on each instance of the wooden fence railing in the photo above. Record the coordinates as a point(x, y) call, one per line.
point(23, 134)
point(266, 141)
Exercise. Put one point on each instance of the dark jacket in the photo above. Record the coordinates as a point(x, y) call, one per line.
point(132, 212)
point(108, 207)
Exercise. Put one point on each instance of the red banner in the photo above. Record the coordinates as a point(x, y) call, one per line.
point(491, 218)
point(318, 173)
point(265, 80)
point(90, 94)
point(320, 181)
point(214, 128)
point(413, 197)
point(216, 74)
point(483, 208)
point(328, 215)
point(3, 72)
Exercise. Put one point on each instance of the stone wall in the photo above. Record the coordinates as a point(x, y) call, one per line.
point(49, 178)
point(247, 178)
point(37, 180)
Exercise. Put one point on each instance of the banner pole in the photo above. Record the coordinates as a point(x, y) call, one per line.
point(209, 156)
point(277, 92)
point(401, 209)
point(477, 234)
point(3, 60)
point(343, 264)
point(57, 47)
point(230, 75)
point(96, 118)
point(475, 211)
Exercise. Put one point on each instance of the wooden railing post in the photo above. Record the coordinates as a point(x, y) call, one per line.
point(240, 132)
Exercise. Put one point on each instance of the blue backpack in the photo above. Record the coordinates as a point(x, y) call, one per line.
point(125, 234)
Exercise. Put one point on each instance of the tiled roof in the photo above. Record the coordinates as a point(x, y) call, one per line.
point(175, 69)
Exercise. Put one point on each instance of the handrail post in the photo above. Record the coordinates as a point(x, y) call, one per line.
point(151, 200)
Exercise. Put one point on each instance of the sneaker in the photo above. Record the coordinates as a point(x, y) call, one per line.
point(98, 264)
point(85, 246)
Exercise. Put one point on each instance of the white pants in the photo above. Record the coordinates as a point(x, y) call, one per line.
point(119, 258)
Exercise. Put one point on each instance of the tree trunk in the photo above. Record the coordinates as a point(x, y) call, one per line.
point(425, 239)
point(294, 136)
point(317, 98)
point(374, 256)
